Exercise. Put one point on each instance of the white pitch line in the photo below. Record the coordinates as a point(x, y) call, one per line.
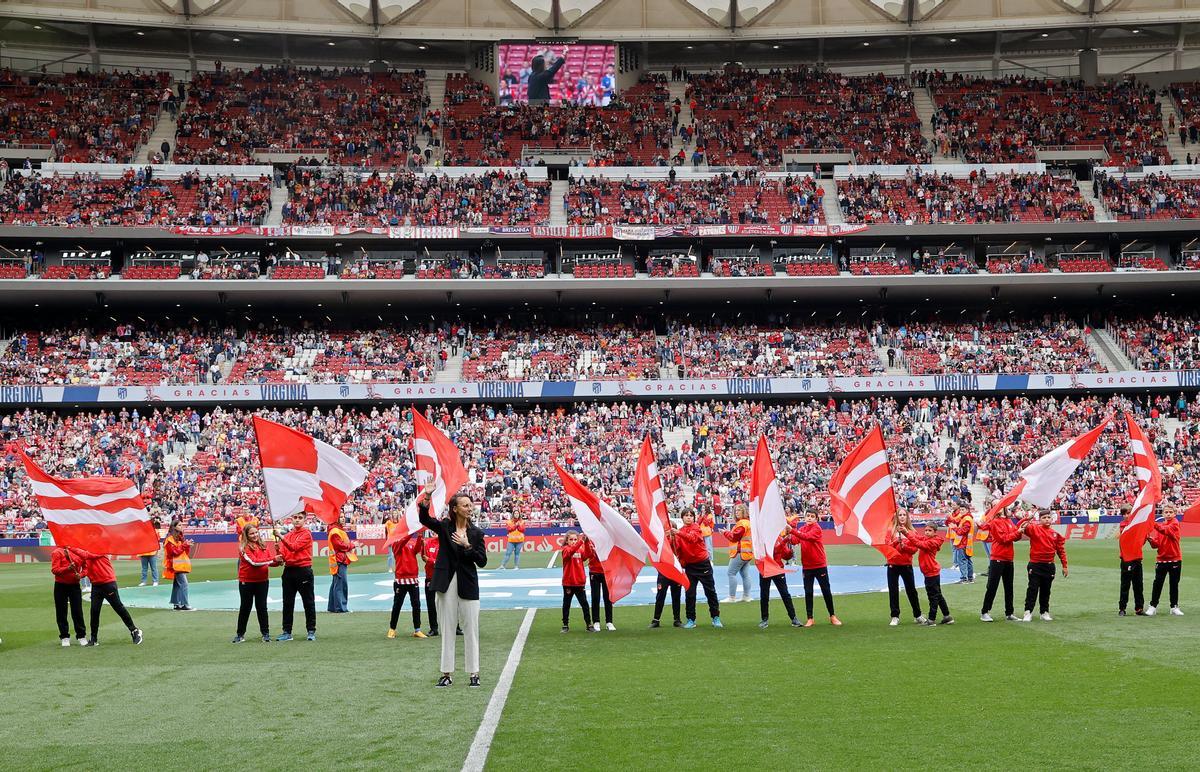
point(482, 743)
point(553, 557)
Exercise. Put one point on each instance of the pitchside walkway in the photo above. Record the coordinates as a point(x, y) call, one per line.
point(520, 589)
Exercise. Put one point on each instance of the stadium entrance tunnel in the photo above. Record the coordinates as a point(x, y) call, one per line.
point(509, 589)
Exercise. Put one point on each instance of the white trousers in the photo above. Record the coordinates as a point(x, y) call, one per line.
point(454, 612)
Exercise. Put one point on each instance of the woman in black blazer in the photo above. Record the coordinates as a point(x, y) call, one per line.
point(455, 581)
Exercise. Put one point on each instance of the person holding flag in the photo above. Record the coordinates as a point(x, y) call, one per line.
point(294, 550)
point(689, 545)
point(177, 564)
point(927, 549)
point(599, 586)
point(782, 553)
point(404, 585)
point(770, 535)
point(651, 506)
point(99, 569)
point(1002, 533)
point(573, 582)
point(253, 573)
point(67, 592)
point(815, 567)
point(1137, 522)
point(1044, 545)
point(1131, 569)
point(1169, 566)
point(429, 552)
point(900, 569)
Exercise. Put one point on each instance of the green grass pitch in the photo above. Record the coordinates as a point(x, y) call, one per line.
point(1087, 691)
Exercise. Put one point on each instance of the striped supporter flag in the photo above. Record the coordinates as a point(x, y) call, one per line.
point(104, 515)
point(652, 516)
point(862, 499)
point(437, 458)
point(1149, 477)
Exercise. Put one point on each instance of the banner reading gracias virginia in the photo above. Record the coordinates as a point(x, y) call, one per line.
point(490, 391)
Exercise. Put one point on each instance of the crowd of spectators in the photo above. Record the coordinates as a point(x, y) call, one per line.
point(1050, 345)
point(728, 198)
point(1152, 197)
point(140, 197)
point(597, 352)
point(351, 116)
point(981, 197)
point(1001, 120)
point(347, 198)
point(719, 350)
point(1164, 341)
point(203, 467)
point(83, 117)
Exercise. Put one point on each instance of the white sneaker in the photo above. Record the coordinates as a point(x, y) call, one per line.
point(921, 619)
point(156, 584)
point(1028, 617)
point(1151, 611)
point(66, 642)
point(1047, 618)
point(611, 627)
point(747, 599)
point(596, 626)
point(1176, 611)
point(985, 617)
point(895, 622)
point(141, 584)
point(730, 599)
point(82, 641)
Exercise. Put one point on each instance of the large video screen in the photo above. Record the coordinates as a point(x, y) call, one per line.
point(581, 74)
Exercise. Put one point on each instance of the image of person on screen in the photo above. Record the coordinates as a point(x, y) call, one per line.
point(608, 85)
point(542, 76)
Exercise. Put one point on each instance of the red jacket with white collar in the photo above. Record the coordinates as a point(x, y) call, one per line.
point(1045, 543)
point(1165, 539)
point(812, 546)
point(405, 552)
point(572, 560)
point(254, 564)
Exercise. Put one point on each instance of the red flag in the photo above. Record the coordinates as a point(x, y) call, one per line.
point(1141, 519)
point(1042, 480)
point(861, 494)
point(652, 515)
point(767, 517)
point(437, 459)
point(303, 474)
point(1192, 513)
point(1005, 501)
point(104, 515)
point(617, 543)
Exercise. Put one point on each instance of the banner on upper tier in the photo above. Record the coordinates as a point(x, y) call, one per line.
point(572, 390)
point(620, 232)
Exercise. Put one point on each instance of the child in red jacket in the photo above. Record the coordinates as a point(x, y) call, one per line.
point(1002, 533)
point(783, 552)
point(927, 546)
point(1044, 545)
point(99, 569)
point(573, 581)
point(67, 592)
point(407, 575)
point(429, 552)
point(815, 566)
point(599, 586)
point(900, 569)
point(1165, 539)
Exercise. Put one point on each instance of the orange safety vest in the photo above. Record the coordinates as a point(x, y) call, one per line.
point(744, 546)
point(180, 564)
point(515, 536)
point(351, 557)
point(968, 541)
point(242, 522)
point(706, 526)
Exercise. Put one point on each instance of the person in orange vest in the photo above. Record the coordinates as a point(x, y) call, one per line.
point(341, 555)
point(707, 524)
point(243, 521)
point(516, 541)
point(964, 545)
point(177, 564)
point(741, 555)
point(389, 523)
point(150, 563)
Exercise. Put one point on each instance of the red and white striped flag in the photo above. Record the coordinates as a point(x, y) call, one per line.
point(1149, 476)
point(862, 499)
point(104, 515)
point(437, 458)
point(303, 474)
point(652, 516)
point(767, 516)
point(616, 541)
point(1042, 480)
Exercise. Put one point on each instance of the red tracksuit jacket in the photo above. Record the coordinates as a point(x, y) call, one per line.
point(60, 566)
point(572, 559)
point(430, 553)
point(812, 546)
point(1129, 552)
point(593, 560)
point(1002, 532)
point(1165, 539)
point(405, 552)
point(1045, 543)
point(927, 549)
point(295, 547)
point(95, 567)
point(690, 546)
point(251, 573)
point(904, 553)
